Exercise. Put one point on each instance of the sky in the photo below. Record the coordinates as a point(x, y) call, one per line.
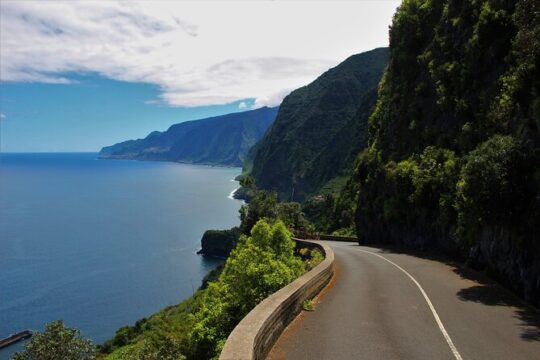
point(80, 75)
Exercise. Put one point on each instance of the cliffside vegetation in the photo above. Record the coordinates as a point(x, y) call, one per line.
point(453, 160)
point(319, 130)
point(262, 205)
point(57, 342)
point(219, 243)
point(259, 265)
point(220, 140)
point(263, 260)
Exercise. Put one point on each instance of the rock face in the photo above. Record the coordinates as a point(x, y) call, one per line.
point(221, 140)
point(454, 156)
point(501, 254)
point(319, 129)
point(219, 243)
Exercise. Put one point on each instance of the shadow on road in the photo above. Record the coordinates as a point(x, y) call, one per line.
point(487, 292)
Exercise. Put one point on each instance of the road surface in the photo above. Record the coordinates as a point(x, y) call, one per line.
point(389, 305)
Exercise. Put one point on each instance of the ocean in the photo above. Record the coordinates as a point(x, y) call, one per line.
point(103, 243)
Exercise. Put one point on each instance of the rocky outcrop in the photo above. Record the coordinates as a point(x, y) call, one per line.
point(219, 243)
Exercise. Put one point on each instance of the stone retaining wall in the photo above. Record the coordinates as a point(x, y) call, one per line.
point(338, 238)
point(254, 336)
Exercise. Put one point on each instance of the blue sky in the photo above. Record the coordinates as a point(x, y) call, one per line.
point(79, 75)
point(88, 114)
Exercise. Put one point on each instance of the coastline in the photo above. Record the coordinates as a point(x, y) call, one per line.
point(207, 164)
point(177, 239)
point(209, 276)
point(231, 195)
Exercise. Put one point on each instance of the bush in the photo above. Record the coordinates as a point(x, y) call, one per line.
point(265, 205)
point(260, 265)
point(57, 342)
point(307, 305)
point(496, 186)
point(316, 257)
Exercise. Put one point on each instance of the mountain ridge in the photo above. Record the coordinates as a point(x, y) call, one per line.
point(339, 101)
point(218, 140)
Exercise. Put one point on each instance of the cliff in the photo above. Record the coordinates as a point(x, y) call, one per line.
point(220, 140)
point(319, 129)
point(453, 161)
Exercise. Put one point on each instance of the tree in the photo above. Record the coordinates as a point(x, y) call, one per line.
point(57, 342)
point(259, 265)
point(291, 214)
point(263, 205)
point(496, 187)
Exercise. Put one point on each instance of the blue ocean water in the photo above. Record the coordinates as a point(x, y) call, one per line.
point(102, 243)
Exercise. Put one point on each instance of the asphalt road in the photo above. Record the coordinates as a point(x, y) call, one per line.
point(375, 308)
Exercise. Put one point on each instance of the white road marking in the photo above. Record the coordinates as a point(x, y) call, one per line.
point(431, 307)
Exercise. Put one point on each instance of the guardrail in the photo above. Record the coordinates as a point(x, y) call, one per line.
point(319, 236)
point(254, 336)
point(337, 238)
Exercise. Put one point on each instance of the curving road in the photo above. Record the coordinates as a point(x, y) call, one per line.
point(389, 305)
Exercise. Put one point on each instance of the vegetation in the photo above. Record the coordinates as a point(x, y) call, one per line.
point(150, 349)
point(312, 257)
point(452, 162)
point(263, 261)
point(57, 342)
point(265, 205)
point(260, 265)
point(219, 242)
point(168, 326)
point(453, 157)
point(319, 129)
point(220, 140)
point(307, 305)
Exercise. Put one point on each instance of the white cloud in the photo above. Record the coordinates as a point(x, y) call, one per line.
point(197, 53)
point(3, 116)
point(272, 99)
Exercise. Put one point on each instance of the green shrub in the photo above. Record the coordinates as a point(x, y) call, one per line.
point(260, 265)
point(316, 257)
point(307, 305)
point(57, 342)
point(265, 205)
point(496, 186)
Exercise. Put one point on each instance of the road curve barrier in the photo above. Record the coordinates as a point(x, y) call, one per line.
point(255, 335)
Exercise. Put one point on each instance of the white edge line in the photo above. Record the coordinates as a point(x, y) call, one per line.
point(431, 307)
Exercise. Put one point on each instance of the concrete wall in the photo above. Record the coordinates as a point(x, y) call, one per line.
point(337, 238)
point(254, 336)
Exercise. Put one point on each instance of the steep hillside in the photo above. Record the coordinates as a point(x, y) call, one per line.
point(221, 140)
point(319, 128)
point(454, 160)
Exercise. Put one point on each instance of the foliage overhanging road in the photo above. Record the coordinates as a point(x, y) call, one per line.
point(376, 310)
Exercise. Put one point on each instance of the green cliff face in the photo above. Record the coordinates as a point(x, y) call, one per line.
point(220, 140)
point(453, 160)
point(319, 129)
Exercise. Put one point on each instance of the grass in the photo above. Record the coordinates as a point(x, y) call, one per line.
point(307, 305)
